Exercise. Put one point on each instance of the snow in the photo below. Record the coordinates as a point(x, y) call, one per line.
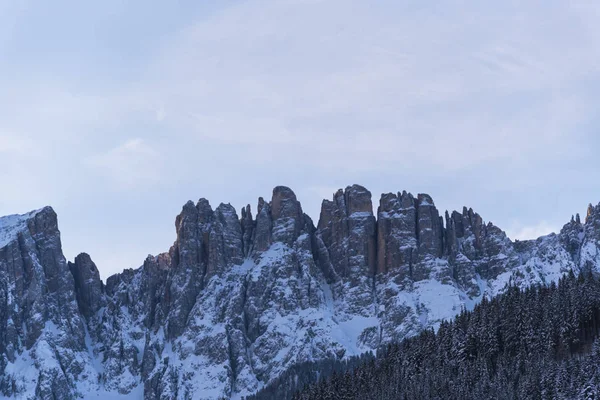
point(441, 301)
point(470, 302)
point(26, 373)
point(589, 252)
point(43, 356)
point(361, 214)
point(12, 225)
point(274, 253)
point(348, 332)
point(136, 394)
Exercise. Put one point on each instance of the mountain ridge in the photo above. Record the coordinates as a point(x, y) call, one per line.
point(237, 300)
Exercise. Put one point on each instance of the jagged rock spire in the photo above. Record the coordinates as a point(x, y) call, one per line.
point(88, 285)
point(280, 220)
point(397, 234)
point(286, 214)
point(263, 228)
point(347, 228)
point(247, 225)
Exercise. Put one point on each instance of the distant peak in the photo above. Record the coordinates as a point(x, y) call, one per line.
point(12, 225)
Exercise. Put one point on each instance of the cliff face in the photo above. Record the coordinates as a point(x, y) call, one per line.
point(42, 332)
point(238, 300)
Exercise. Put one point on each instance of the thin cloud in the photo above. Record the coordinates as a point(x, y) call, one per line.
point(130, 164)
point(491, 87)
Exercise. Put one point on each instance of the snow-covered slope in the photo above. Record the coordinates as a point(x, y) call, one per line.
point(237, 301)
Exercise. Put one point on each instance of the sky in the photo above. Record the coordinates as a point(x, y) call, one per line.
point(117, 112)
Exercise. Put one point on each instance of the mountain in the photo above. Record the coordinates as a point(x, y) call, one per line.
point(238, 300)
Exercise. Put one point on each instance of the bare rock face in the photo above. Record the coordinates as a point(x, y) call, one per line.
point(476, 250)
point(429, 228)
point(264, 226)
point(236, 301)
point(225, 242)
point(89, 289)
point(247, 226)
point(286, 215)
point(347, 229)
point(409, 232)
point(397, 234)
point(136, 306)
point(571, 236)
point(589, 254)
point(208, 244)
point(346, 244)
point(248, 311)
point(190, 257)
point(40, 323)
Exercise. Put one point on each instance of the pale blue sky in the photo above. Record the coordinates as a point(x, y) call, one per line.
point(116, 113)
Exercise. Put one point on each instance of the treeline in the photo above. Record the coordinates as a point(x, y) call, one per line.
point(304, 374)
point(538, 343)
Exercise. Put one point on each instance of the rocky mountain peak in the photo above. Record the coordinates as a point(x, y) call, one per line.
point(593, 214)
point(238, 300)
point(39, 317)
point(358, 200)
point(279, 221)
point(42, 221)
point(286, 215)
point(347, 229)
point(205, 211)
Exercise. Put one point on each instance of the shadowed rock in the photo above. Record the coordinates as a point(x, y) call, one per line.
point(89, 289)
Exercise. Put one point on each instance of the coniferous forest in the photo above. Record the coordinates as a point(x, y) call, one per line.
point(538, 343)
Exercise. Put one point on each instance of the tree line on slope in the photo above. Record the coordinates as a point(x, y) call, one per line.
point(304, 374)
point(537, 343)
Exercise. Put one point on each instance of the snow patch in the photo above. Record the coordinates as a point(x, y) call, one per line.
point(12, 225)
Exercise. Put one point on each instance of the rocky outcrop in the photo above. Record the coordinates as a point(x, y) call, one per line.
point(89, 289)
point(286, 216)
point(190, 256)
point(409, 231)
point(346, 243)
point(236, 300)
point(41, 329)
point(237, 319)
point(397, 234)
point(430, 228)
point(263, 227)
point(347, 228)
point(247, 226)
point(208, 244)
point(571, 236)
point(589, 255)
